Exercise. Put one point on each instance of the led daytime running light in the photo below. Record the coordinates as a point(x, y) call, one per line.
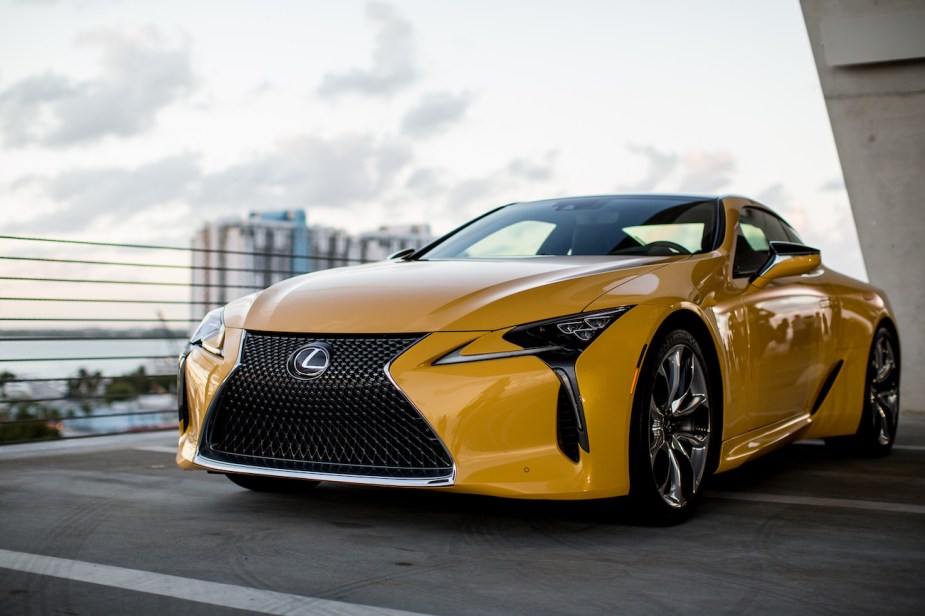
point(585, 328)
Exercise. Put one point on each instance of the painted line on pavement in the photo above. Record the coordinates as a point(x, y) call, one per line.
point(842, 503)
point(821, 443)
point(211, 593)
point(92, 444)
point(909, 447)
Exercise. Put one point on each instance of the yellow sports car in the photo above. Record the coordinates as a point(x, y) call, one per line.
point(574, 348)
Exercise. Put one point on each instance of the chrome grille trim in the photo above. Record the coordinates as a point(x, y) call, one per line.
point(227, 467)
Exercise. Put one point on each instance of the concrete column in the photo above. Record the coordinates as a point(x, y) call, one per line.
point(870, 56)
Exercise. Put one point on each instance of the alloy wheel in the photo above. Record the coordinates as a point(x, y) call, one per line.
point(679, 425)
point(883, 391)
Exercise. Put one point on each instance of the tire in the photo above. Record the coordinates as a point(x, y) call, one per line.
point(880, 415)
point(673, 431)
point(276, 485)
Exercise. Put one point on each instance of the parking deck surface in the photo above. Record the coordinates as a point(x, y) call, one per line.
point(112, 526)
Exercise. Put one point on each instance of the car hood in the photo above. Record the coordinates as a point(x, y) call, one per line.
point(450, 295)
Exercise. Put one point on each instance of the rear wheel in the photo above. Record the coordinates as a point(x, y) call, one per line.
point(880, 416)
point(278, 485)
point(672, 431)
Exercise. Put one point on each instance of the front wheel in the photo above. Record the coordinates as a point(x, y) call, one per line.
point(258, 483)
point(672, 431)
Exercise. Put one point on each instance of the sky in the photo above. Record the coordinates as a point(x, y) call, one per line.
point(138, 121)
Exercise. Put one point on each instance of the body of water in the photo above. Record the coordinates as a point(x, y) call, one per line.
point(61, 359)
point(66, 357)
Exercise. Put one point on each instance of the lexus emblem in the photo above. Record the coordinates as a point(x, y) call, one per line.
point(310, 362)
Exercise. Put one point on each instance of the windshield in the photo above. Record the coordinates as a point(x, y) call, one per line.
point(586, 226)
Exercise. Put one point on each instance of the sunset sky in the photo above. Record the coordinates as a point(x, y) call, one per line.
point(138, 121)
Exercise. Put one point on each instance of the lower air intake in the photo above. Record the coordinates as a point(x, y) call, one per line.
point(566, 426)
point(351, 420)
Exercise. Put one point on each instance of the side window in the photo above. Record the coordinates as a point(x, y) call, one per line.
point(793, 235)
point(772, 226)
point(756, 229)
point(775, 227)
point(751, 250)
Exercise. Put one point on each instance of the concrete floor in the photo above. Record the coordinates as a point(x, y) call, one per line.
point(801, 531)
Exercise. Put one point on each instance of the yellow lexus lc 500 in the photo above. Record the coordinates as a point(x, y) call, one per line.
point(575, 348)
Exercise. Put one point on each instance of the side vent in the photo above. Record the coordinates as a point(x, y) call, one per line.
point(566, 426)
point(826, 386)
point(182, 405)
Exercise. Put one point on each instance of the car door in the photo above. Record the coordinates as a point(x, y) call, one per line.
point(790, 336)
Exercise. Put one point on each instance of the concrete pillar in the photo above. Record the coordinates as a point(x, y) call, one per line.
point(870, 56)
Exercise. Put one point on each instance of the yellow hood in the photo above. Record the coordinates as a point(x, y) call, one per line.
point(428, 296)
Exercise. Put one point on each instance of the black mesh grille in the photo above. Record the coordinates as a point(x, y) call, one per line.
point(351, 420)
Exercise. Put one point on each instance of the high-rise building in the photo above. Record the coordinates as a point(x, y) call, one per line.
point(331, 248)
point(386, 240)
point(234, 257)
point(337, 248)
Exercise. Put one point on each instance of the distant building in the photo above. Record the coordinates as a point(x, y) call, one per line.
point(337, 248)
point(331, 248)
point(386, 240)
point(232, 258)
point(235, 257)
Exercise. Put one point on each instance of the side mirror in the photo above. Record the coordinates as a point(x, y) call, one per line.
point(401, 254)
point(787, 259)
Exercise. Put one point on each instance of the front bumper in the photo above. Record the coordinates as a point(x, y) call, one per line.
point(497, 419)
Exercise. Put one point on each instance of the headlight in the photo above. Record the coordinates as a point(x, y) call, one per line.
point(210, 334)
point(563, 337)
point(570, 334)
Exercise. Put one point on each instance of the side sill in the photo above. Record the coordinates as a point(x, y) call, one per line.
point(737, 450)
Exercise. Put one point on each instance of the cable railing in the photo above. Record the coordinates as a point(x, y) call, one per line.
point(188, 249)
point(134, 282)
point(90, 331)
point(159, 265)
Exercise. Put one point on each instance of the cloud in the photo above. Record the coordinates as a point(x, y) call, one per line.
point(514, 182)
point(140, 75)
point(121, 191)
point(774, 196)
point(659, 166)
point(532, 170)
point(781, 201)
point(694, 171)
point(427, 182)
point(87, 196)
point(481, 192)
point(439, 187)
point(833, 185)
point(435, 112)
point(706, 171)
point(300, 172)
point(393, 63)
point(310, 171)
point(264, 87)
